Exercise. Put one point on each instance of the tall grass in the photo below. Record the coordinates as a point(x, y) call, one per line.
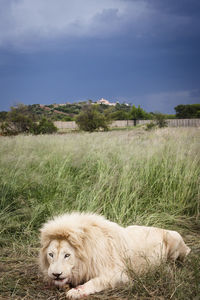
point(133, 176)
point(130, 177)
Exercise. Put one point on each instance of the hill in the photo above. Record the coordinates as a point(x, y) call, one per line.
point(69, 111)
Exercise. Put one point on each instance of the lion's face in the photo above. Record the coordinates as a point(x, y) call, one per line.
point(61, 259)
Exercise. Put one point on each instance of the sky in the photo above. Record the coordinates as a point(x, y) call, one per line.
point(142, 52)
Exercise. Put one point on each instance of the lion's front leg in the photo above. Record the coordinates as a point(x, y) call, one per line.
point(96, 285)
point(92, 286)
point(77, 293)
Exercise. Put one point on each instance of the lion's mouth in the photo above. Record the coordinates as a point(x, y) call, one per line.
point(61, 281)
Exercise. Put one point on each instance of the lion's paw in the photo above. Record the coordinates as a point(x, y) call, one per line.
point(77, 293)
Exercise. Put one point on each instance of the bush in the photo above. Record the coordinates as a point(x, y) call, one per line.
point(90, 119)
point(18, 123)
point(150, 126)
point(160, 120)
point(3, 115)
point(7, 128)
point(45, 126)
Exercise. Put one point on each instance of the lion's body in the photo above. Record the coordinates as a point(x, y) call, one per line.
point(99, 251)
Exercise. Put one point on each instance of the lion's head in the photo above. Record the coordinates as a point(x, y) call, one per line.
point(61, 259)
point(66, 252)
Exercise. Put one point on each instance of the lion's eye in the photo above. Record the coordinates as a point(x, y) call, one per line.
point(67, 255)
point(51, 254)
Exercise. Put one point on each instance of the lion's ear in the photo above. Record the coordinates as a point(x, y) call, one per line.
point(77, 240)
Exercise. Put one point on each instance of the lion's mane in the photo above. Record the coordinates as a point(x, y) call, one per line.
point(98, 243)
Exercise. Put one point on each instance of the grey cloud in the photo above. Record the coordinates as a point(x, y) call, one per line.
point(178, 7)
point(50, 18)
point(25, 23)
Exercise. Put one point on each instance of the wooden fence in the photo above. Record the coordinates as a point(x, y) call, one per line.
point(177, 122)
point(65, 125)
point(127, 123)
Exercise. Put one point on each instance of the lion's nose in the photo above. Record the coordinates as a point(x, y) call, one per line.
point(57, 275)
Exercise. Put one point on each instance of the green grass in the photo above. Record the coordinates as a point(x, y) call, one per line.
point(134, 176)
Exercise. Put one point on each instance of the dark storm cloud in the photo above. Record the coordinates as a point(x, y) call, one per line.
point(189, 8)
point(140, 51)
point(24, 24)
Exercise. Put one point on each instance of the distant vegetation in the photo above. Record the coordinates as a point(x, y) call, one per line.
point(90, 119)
point(20, 120)
point(69, 111)
point(187, 111)
point(90, 116)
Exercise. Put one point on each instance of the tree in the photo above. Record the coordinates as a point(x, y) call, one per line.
point(123, 107)
point(119, 115)
point(3, 115)
point(90, 119)
point(187, 111)
point(139, 114)
point(17, 123)
point(134, 112)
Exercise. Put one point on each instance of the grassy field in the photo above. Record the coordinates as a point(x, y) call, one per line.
point(149, 178)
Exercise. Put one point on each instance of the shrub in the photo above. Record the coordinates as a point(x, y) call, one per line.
point(150, 126)
point(3, 115)
point(18, 123)
point(160, 120)
point(90, 119)
point(45, 126)
point(7, 128)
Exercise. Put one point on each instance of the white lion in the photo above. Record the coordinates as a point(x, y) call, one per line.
point(92, 253)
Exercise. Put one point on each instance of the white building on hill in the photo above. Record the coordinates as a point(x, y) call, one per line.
point(106, 102)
